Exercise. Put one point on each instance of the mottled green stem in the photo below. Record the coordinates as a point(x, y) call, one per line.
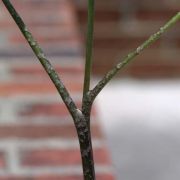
point(43, 60)
point(89, 47)
point(94, 92)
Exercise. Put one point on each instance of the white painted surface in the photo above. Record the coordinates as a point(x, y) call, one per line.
point(142, 123)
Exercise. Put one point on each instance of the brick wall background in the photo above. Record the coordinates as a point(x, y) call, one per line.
point(37, 137)
point(121, 25)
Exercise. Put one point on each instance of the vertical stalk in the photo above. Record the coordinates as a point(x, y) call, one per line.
point(84, 136)
point(87, 157)
point(83, 128)
point(89, 46)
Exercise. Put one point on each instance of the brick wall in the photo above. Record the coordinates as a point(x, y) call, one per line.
point(37, 136)
point(121, 25)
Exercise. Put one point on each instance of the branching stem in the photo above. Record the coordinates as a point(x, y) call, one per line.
point(82, 118)
point(127, 59)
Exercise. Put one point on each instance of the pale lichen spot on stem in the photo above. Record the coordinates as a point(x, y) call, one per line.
point(119, 65)
point(33, 43)
point(49, 68)
point(41, 55)
point(162, 29)
point(25, 29)
point(139, 49)
point(68, 100)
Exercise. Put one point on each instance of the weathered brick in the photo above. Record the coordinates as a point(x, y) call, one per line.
point(43, 131)
point(2, 160)
point(56, 177)
point(101, 16)
point(121, 42)
point(34, 88)
point(37, 70)
point(59, 157)
point(155, 15)
point(44, 39)
point(45, 109)
point(161, 71)
point(49, 12)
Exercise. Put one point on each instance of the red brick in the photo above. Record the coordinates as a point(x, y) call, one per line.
point(54, 24)
point(155, 15)
point(35, 88)
point(121, 43)
point(56, 177)
point(75, 177)
point(47, 15)
point(178, 42)
point(45, 5)
point(47, 109)
point(37, 70)
point(60, 157)
point(59, 9)
point(50, 109)
point(155, 70)
point(43, 39)
point(43, 131)
point(101, 16)
point(2, 160)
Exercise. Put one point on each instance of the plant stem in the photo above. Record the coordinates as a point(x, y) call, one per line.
point(84, 135)
point(126, 60)
point(89, 46)
point(43, 60)
point(87, 157)
point(80, 120)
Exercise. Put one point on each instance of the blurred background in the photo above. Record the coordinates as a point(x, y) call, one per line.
point(140, 109)
point(121, 25)
point(138, 112)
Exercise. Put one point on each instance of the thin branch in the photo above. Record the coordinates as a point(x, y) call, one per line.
point(89, 47)
point(126, 60)
point(43, 60)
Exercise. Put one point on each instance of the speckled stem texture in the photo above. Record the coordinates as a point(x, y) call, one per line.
point(84, 135)
point(132, 55)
